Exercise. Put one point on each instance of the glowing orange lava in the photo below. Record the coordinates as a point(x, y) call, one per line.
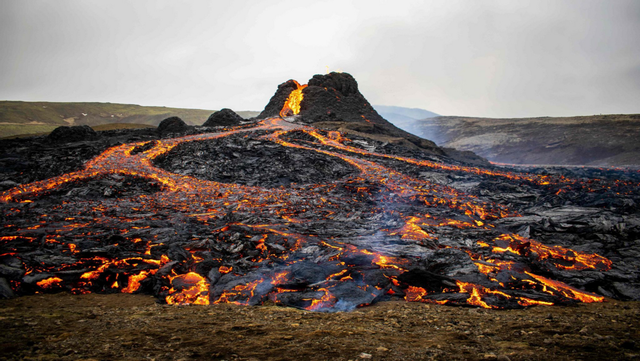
point(193, 289)
point(50, 282)
point(203, 201)
point(292, 104)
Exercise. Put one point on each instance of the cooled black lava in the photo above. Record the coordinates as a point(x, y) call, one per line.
point(253, 162)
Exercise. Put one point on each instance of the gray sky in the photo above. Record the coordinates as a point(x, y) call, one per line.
point(478, 58)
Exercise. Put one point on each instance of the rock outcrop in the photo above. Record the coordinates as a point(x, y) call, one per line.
point(172, 125)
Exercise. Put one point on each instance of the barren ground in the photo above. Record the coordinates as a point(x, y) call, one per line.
point(135, 327)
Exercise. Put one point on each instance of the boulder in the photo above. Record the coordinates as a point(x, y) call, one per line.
point(172, 125)
point(78, 133)
point(224, 117)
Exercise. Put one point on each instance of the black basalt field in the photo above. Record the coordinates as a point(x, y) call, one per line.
point(295, 212)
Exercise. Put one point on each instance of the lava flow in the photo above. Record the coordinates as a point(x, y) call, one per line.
point(378, 231)
point(292, 104)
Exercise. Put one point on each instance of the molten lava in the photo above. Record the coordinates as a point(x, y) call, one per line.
point(292, 104)
point(255, 242)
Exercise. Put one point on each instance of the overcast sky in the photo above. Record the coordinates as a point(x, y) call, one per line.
point(478, 58)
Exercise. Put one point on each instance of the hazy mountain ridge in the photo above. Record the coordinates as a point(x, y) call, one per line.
point(404, 118)
point(598, 140)
point(415, 113)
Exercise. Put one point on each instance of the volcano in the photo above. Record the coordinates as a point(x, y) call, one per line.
point(319, 204)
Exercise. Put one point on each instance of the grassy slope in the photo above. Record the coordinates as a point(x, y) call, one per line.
point(18, 130)
point(97, 113)
point(18, 117)
point(29, 130)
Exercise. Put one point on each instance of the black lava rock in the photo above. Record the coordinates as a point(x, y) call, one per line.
point(335, 97)
point(342, 82)
point(172, 125)
point(223, 117)
point(5, 289)
point(76, 133)
point(236, 159)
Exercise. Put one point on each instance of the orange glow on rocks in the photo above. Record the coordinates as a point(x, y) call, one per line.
point(225, 269)
point(414, 294)
point(571, 260)
point(551, 286)
point(292, 104)
point(134, 281)
point(50, 282)
point(190, 288)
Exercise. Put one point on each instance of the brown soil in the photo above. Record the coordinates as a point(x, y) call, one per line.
point(135, 327)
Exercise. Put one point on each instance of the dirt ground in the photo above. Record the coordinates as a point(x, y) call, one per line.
point(135, 327)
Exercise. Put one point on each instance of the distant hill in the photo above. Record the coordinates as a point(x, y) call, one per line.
point(599, 140)
point(403, 118)
point(415, 113)
point(18, 117)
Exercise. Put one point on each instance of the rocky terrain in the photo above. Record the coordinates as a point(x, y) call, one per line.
point(599, 140)
point(318, 204)
point(135, 327)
